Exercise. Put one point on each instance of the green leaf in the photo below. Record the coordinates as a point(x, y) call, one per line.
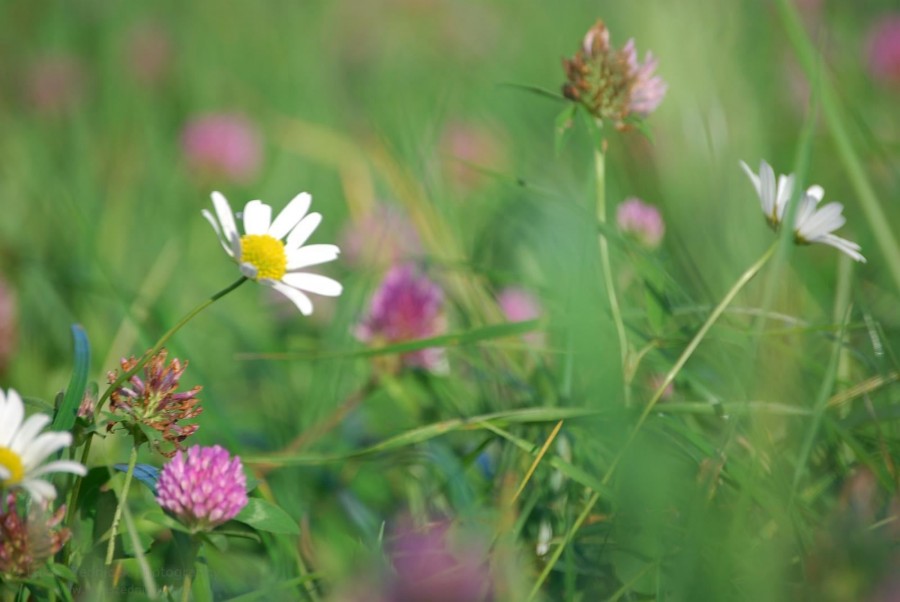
point(538, 91)
point(68, 410)
point(476, 335)
point(430, 431)
point(264, 516)
point(201, 588)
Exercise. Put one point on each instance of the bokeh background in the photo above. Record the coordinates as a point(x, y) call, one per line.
point(412, 125)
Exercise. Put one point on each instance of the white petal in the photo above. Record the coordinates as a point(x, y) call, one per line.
point(302, 231)
point(60, 466)
point(257, 217)
point(299, 299)
point(312, 255)
point(29, 431)
point(767, 188)
point(4, 473)
point(314, 283)
point(816, 192)
point(753, 177)
point(290, 216)
point(39, 489)
point(842, 244)
point(825, 220)
point(249, 270)
point(42, 447)
point(805, 211)
point(226, 219)
point(11, 414)
point(783, 195)
point(226, 244)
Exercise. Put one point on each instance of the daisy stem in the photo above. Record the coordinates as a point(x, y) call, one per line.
point(73, 494)
point(657, 395)
point(600, 170)
point(123, 496)
point(163, 340)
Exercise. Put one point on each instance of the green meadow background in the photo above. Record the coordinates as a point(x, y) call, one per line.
point(771, 473)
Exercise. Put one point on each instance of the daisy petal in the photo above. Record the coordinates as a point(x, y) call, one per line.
point(299, 299)
point(314, 283)
point(249, 270)
point(302, 231)
point(61, 466)
point(29, 430)
point(825, 220)
point(257, 217)
point(11, 414)
point(753, 177)
point(290, 216)
point(39, 489)
point(41, 447)
point(842, 244)
point(312, 255)
point(767, 188)
point(212, 221)
point(226, 219)
point(783, 194)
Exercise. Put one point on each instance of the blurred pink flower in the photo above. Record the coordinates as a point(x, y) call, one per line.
point(883, 45)
point(223, 145)
point(28, 536)
point(8, 321)
point(383, 237)
point(613, 85)
point(430, 568)
point(656, 381)
point(406, 306)
point(54, 84)
point(148, 52)
point(465, 147)
point(641, 220)
point(520, 305)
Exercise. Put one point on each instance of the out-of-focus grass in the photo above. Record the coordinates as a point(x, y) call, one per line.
point(101, 227)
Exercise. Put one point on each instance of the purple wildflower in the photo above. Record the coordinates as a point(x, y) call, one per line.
point(429, 567)
point(612, 84)
point(26, 542)
point(407, 306)
point(222, 145)
point(641, 220)
point(154, 402)
point(204, 488)
point(883, 44)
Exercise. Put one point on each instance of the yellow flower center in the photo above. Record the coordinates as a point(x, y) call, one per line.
point(12, 462)
point(266, 254)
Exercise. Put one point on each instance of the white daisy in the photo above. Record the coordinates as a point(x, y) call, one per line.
point(23, 449)
point(811, 224)
point(273, 252)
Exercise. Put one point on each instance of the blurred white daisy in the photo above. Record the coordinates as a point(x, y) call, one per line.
point(272, 252)
point(811, 224)
point(23, 448)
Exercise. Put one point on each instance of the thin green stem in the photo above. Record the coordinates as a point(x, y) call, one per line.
point(606, 266)
point(73, 495)
point(670, 376)
point(163, 340)
point(123, 497)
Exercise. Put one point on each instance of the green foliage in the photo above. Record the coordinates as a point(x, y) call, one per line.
point(768, 471)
